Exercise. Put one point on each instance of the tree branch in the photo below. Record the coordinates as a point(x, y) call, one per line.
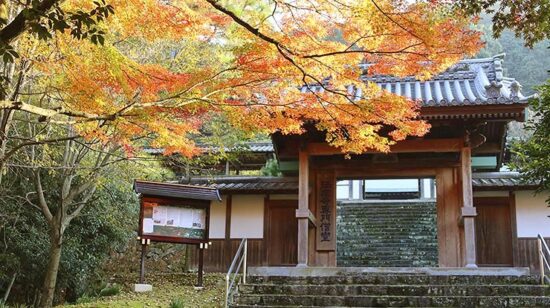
point(22, 21)
point(41, 198)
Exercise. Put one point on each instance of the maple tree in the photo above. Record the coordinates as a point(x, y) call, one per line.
point(249, 61)
point(153, 72)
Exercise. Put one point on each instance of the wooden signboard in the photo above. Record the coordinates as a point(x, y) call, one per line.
point(326, 211)
point(174, 213)
point(174, 220)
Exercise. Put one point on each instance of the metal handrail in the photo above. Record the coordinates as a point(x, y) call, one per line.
point(544, 256)
point(239, 261)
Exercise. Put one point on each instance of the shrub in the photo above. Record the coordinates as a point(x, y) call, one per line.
point(110, 290)
point(177, 303)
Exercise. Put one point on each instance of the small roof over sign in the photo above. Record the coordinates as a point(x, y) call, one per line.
point(173, 190)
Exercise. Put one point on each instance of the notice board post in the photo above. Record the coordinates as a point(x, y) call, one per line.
point(174, 213)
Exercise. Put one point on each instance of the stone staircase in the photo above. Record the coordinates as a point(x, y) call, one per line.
point(392, 290)
point(397, 234)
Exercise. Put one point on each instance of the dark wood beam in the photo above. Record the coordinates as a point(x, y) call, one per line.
point(489, 112)
point(405, 146)
point(488, 148)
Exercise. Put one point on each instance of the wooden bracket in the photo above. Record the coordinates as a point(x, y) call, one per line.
point(467, 212)
point(307, 214)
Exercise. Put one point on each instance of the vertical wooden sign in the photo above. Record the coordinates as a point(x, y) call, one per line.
point(326, 210)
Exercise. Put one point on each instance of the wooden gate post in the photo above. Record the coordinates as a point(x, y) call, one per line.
point(468, 210)
point(303, 205)
point(201, 263)
point(142, 264)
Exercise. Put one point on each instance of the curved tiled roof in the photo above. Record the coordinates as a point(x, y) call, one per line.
point(259, 184)
point(174, 190)
point(248, 147)
point(499, 180)
point(469, 82)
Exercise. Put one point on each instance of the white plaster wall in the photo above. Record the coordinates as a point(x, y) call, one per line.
point(247, 216)
point(491, 193)
point(532, 213)
point(217, 218)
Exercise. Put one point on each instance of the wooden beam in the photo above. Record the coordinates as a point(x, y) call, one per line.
point(303, 205)
point(227, 239)
point(498, 112)
point(405, 146)
point(468, 210)
point(488, 148)
point(514, 226)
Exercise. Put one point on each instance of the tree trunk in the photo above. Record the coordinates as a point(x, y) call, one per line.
point(48, 288)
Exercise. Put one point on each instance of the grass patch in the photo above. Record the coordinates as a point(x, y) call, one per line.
point(168, 291)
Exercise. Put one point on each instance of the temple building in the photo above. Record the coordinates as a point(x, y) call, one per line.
point(436, 201)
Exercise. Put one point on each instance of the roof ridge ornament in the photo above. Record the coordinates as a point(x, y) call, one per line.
point(500, 56)
point(515, 89)
point(493, 90)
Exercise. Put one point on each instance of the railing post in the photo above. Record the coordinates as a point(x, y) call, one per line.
point(245, 256)
point(239, 259)
point(541, 260)
point(227, 290)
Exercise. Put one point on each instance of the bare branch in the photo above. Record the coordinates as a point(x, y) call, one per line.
point(41, 199)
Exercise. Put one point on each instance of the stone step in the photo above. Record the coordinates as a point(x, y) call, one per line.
point(399, 290)
point(374, 214)
point(396, 220)
point(387, 234)
point(394, 261)
point(380, 229)
point(383, 214)
point(373, 232)
point(387, 254)
point(381, 264)
point(391, 207)
point(395, 301)
point(383, 239)
point(366, 238)
point(361, 226)
point(394, 208)
point(399, 244)
point(391, 262)
point(396, 248)
point(399, 261)
point(374, 219)
point(389, 222)
point(387, 237)
point(395, 278)
point(386, 206)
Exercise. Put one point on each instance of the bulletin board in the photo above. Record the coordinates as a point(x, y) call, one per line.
point(174, 220)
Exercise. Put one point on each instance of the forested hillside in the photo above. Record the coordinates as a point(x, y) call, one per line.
point(529, 66)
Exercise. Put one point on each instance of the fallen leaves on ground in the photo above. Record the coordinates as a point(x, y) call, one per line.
point(165, 289)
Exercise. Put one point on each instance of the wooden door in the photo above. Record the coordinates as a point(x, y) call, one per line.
point(494, 231)
point(282, 233)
